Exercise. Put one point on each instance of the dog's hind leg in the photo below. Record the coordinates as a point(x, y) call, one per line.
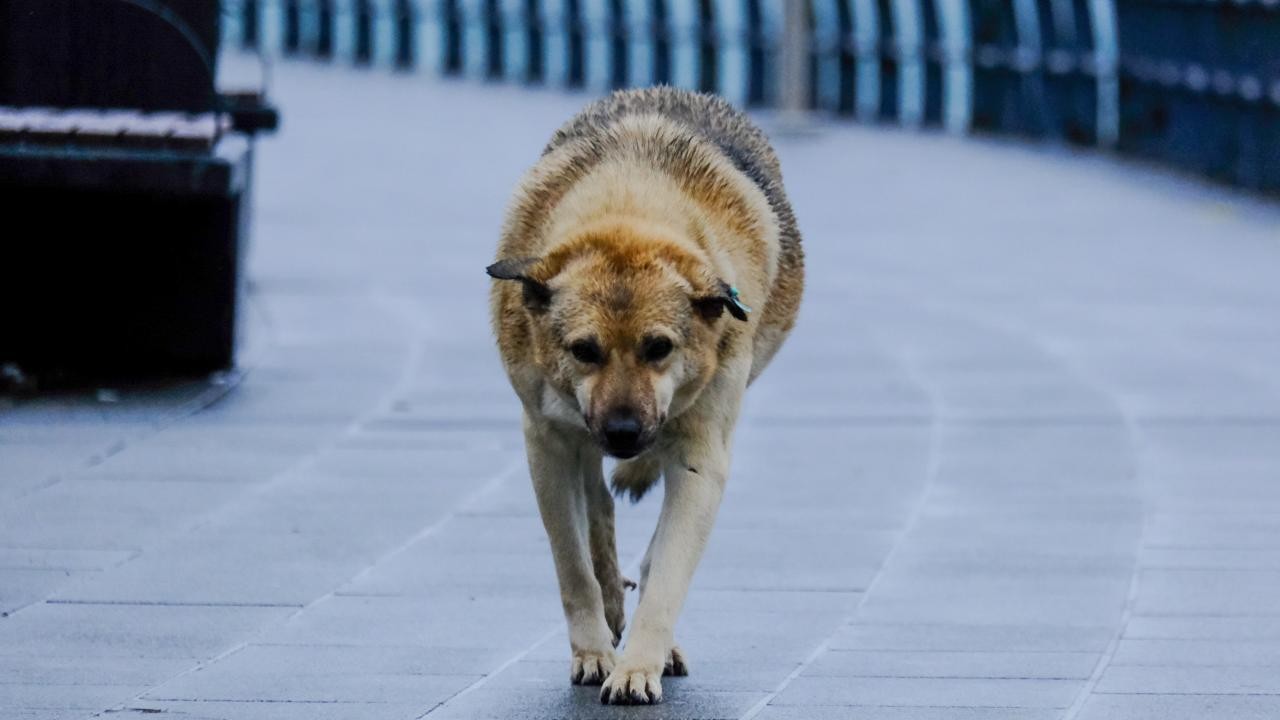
point(555, 464)
point(604, 548)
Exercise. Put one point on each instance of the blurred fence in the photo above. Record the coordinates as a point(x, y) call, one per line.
point(1192, 82)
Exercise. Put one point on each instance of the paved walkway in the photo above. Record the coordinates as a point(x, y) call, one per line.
point(1020, 461)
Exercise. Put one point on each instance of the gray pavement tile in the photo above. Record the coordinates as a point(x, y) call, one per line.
point(217, 710)
point(771, 601)
point(65, 697)
point(426, 570)
point(216, 683)
point(1203, 627)
point(761, 675)
point(52, 670)
point(1247, 652)
point(1209, 592)
point(849, 712)
point(1254, 530)
point(423, 465)
point(127, 631)
point(20, 587)
point(459, 620)
point(1167, 558)
point(976, 638)
point(584, 703)
point(287, 544)
point(108, 516)
point(954, 664)
point(46, 559)
point(957, 692)
point(1181, 707)
point(322, 660)
point(23, 713)
point(1202, 680)
point(1028, 599)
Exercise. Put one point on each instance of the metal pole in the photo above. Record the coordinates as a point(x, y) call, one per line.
point(794, 82)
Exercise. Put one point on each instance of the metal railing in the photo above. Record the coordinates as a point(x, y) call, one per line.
point(1192, 82)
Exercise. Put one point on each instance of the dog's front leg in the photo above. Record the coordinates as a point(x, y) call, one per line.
point(555, 463)
point(695, 478)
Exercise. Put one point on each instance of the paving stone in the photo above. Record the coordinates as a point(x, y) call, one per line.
point(1228, 680)
point(1246, 652)
point(850, 712)
point(1181, 707)
point(492, 622)
point(74, 670)
point(126, 631)
point(88, 698)
point(1203, 627)
point(929, 692)
point(584, 702)
point(228, 685)
point(324, 660)
point(20, 587)
point(143, 709)
point(977, 638)
point(956, 664)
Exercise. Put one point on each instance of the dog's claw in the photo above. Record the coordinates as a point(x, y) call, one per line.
point(628, 583)
point(676, 665)
point(590, 668)
point(634, 688)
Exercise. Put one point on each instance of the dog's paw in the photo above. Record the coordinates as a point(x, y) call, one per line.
point(632, 686)
point(590, 668)
point(676, 665)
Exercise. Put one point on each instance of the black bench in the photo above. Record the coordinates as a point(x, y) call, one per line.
point(124, 183)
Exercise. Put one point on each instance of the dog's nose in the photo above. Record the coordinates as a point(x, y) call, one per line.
point(622, 436)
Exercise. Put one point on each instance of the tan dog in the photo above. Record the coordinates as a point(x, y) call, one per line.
point(654, 269)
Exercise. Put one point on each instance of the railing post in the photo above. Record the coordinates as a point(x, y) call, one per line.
point(684, 27)
point(249, 14)
point(1106, 69)
point(825, 43)
point(555, 41)
point(599, 62)
point(794, 75)
point(732, 60)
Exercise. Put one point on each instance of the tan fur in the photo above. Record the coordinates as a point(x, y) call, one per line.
point(625, 235)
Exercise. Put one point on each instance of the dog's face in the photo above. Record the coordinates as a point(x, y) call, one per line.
point(625, 334)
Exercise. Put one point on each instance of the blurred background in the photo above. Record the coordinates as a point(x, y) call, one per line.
point(1020, 458)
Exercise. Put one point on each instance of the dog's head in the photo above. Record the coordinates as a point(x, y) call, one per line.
point(626, 329)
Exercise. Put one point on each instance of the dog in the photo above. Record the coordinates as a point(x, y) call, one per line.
point(649, 269)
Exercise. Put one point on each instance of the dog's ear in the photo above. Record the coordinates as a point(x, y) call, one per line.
point(537, 296)
point(725, 297)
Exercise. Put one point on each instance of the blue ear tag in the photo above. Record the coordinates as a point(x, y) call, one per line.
point(737, 300)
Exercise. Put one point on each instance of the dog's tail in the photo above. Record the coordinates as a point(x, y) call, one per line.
point(634, 477)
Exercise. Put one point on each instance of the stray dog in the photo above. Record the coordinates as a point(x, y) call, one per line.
point(650, 268)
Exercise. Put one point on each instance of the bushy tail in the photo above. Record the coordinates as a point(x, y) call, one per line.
point(634, 477)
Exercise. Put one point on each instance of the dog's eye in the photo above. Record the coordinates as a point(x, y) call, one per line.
point(657, 349)
point(587, 351)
